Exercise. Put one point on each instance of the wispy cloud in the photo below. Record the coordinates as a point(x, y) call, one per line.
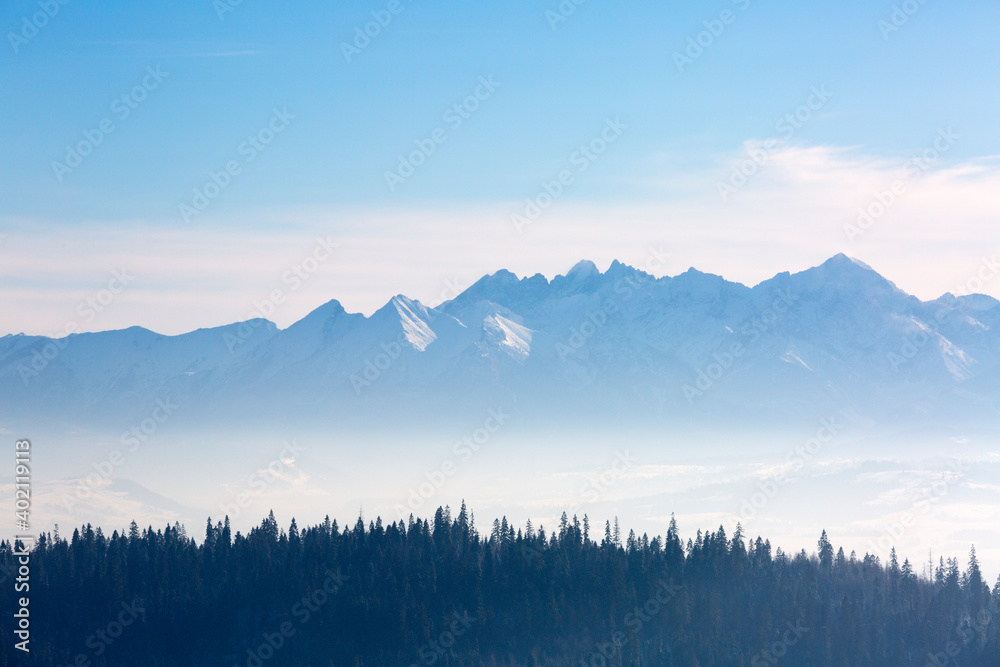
point(791, 216)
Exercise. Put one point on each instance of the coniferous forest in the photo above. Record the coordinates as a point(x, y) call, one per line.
point(440, 592)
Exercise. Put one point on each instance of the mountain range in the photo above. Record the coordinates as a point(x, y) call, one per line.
point(619, 349)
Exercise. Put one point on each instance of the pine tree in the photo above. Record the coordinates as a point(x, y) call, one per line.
point(404, 586)
point(825, 552)
point(977, 590)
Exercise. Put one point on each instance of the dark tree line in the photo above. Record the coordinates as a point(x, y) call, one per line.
point(437, 592)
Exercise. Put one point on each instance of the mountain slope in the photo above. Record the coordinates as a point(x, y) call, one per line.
point(619, 349)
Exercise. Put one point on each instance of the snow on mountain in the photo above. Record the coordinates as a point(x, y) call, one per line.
point(614, 348)
point(508, 336)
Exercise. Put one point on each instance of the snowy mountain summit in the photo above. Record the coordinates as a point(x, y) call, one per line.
point(618, 348)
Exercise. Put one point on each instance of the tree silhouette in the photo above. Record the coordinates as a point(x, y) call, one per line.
point(434, 592)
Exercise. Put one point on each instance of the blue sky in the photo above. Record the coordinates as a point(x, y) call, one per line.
point(345, 122)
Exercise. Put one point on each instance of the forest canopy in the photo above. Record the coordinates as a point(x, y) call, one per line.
point(438, 592)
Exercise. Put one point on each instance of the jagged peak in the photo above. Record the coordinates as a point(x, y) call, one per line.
point(694, 274)
point(412, 319)
point(332, 306)
point(401, 300)
point(503, 274)
point(500, 277)
point(847, 270)
point(582, 270)
point(407, 307)
point(840, 260)
point(492, 281)
point(332, 309)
